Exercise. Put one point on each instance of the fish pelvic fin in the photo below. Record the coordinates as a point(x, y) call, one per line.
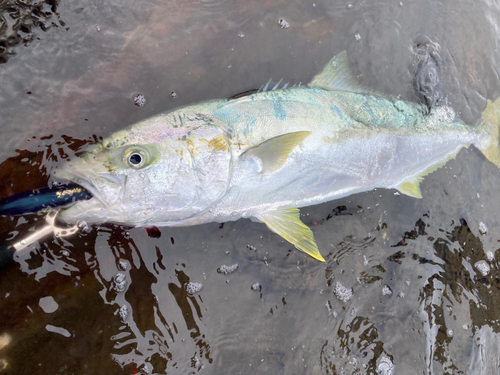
point(288, 225)
point(490, 122)
point(274, 152)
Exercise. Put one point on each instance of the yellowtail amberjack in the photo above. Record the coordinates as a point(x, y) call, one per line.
point(264, 155)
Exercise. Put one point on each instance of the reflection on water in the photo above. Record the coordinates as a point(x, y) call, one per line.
point(410, 286)
point(145, 339)
point(425, 301)
point(21, 22)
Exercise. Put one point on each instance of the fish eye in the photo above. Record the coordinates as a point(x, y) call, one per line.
point(137, 157)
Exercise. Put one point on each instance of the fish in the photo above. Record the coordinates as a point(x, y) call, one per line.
point(265, 154)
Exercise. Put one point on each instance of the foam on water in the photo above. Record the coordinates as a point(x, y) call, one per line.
point(122, 265)
point(140, 100)
point(283, 24)
point(483, 229)
point(120, 282)
point(483, 267)
point(439, 115)
point(193, 288)
point(226, 270)
point(386, 291)
point(342, 293)
point(123, 312)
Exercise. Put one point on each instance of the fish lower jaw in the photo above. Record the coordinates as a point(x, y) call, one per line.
point(95, 212)
point(92, 211)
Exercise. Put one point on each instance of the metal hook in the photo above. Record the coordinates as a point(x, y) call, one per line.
point(45, 230)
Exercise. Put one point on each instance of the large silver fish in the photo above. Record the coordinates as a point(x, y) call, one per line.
point(264, 155)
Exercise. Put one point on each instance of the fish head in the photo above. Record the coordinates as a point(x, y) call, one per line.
point(152, 175)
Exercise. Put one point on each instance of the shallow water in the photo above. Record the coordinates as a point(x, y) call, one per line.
point(115, 300)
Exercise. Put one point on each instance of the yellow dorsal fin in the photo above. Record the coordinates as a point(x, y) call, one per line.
point(411, 188)
point(287, 224)
point(274, 152)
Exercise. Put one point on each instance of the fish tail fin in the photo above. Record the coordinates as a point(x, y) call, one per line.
point(490, 122)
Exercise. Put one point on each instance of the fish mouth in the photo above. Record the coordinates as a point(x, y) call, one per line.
point(104, 187)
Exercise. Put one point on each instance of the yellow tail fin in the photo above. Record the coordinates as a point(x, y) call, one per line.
point(491, 123)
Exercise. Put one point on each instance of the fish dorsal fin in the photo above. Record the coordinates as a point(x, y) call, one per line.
point(271, 86)
point(244, 93)
point(337, 76)
point(411, 188)
point(273, 153)
point(287, 224)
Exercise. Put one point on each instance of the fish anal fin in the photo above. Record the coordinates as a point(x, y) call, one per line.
point(435, 167)
point(411, 188)
point(337, 76)
point(274, 152)
point(288, 225)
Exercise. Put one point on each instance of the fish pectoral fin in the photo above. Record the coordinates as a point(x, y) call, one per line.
point(288, 225)
point(274, 152)
point(411, 188)
point(337, 75)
